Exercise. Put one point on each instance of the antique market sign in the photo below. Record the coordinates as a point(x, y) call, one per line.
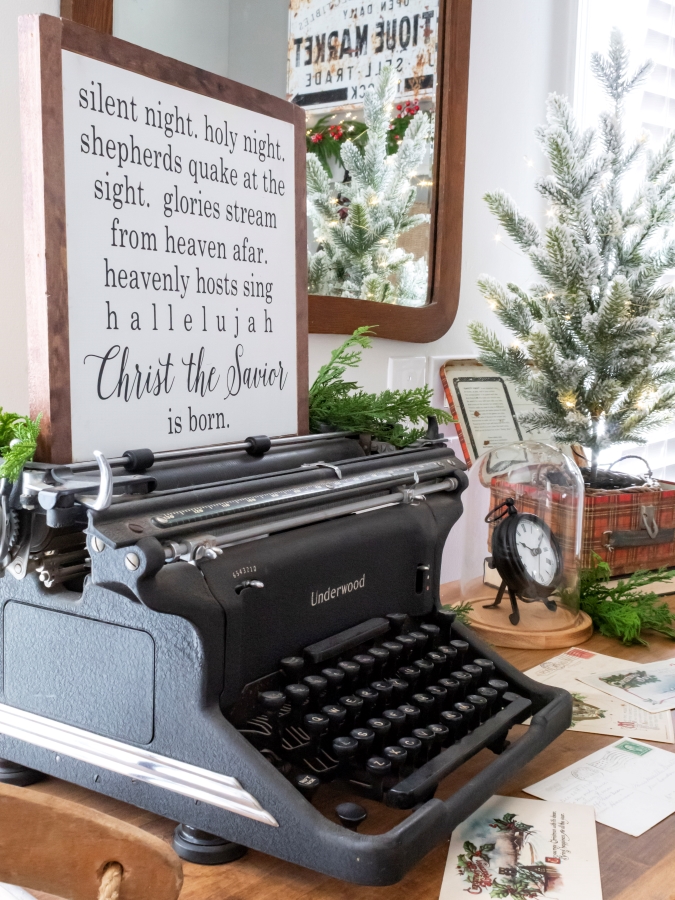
point(167, 316)
point(337, 47)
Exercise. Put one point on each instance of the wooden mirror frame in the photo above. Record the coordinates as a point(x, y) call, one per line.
point(341, 315)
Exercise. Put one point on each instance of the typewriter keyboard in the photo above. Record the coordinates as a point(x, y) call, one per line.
point(391, 707)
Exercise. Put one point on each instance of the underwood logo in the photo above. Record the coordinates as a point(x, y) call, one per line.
point(340, 591)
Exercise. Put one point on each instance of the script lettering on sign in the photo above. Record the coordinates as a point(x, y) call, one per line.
point(337, 47)
point(180, 213)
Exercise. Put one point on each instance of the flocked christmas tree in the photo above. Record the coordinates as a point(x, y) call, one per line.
point(595, 337)
point(357, 223)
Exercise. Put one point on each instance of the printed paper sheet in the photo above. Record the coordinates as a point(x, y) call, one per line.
point(650, 686)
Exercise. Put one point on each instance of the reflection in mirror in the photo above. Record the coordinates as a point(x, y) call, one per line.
point(365, 74)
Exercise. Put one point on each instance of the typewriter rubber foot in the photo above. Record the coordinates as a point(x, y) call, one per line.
point(205, 849)
point(19, 776)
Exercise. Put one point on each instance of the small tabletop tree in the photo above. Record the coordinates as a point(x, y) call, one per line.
point(595, 337)
point(358, 228)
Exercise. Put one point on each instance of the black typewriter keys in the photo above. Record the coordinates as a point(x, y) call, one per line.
point(395, 650)
point(336, 715)
point(412, 715)
point(369, 697)
point(315, 724)
point(501, 687)
point(441, 735)
point(292, 667)
point(433, 632)
point(367, 664)
point(397, 719)
point(468, 713)
point(411, 674)
point(335, 678)
point(308, 785)
point(409, 645)
point(451, 685)
point(344, 750)
point(298, 697)
point(398, 622)
point(421, 640)
point(462, 649)
point(480, 704)
point(425, 703)
point(450, 655)
point(412, 747)
point(438, 661)
point(464, 681)
point(426, 739)
point(354, 707)
point(271, 702)
point(426, 672)
point(378, 768)
point(352, 671)
point(381, 657)
point(440, 697)
point(491, 696)
point(454, 722)
point(475, 672)
point(397, 757)
point(317, 685)
point(365, 738)
point(381, 727)
point(445, 618)
point(488, 668)
point(384, 691)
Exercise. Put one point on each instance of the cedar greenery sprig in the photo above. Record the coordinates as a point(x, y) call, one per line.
point(622, 611)
point(18, 442)
point(343, 405)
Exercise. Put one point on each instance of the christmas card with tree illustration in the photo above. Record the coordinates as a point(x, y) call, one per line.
point(650, 686)
point(521, 849)
point(595, 711)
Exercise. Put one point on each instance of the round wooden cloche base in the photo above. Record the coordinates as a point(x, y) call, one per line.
point(538, 629)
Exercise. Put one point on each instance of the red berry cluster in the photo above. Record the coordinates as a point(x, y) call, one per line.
point(411, 108)
point(335, 131)
point(317, 138)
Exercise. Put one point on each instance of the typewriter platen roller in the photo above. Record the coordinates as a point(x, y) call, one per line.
point(222, 637)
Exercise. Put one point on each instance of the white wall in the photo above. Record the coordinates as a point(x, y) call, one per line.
point(13, 352)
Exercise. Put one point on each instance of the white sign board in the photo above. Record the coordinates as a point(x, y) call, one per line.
point(165, 202)
point(337, 47)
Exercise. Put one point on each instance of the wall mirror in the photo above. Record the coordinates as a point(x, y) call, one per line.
point(366, 265)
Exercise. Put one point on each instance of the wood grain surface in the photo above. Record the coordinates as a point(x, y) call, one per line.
point(632, 868)
point(341, 315)
point(96, 14)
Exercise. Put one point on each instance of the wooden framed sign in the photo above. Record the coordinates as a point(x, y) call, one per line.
point(165, 249)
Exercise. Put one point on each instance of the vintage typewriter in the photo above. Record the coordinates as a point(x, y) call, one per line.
point(223, 636)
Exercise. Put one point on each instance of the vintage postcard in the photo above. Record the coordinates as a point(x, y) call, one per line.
point(630, 785)
point(650, 686)
point(514, 848)
point(595, 711)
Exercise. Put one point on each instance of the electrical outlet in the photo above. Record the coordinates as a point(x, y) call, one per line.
point(406, 372)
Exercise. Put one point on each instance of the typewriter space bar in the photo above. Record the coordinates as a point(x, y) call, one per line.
point(346, 640)
point(416, 787)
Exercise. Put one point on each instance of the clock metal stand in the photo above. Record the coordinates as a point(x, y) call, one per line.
point(517, 577)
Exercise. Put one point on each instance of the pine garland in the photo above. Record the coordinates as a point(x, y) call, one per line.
point(595, 337)
point(18, 442)
point(622, 612)
point(343, 405)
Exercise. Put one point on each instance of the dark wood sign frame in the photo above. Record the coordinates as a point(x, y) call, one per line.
point(341, 315)
point(41, 40)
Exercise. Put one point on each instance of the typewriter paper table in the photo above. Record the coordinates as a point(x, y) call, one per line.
point(631, 868)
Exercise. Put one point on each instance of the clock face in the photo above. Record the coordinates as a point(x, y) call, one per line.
point(536, 552)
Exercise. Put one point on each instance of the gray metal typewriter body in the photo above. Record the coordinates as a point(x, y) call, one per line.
point(214, 635)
